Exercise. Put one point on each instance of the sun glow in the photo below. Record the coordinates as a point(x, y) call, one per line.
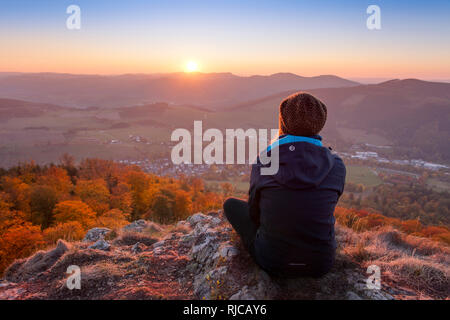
point(191, 66)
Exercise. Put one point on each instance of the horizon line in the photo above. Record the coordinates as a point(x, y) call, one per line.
point(359, 79)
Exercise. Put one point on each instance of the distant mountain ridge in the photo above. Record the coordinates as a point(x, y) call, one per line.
point(12, 108)
point(208, 90)
point(412, 114)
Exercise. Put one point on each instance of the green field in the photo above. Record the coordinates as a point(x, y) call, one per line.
point(239, 186)
point(438, 185)
point(362, 175)
point(355, 174)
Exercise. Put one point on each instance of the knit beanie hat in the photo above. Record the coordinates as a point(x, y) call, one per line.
point(301, 114)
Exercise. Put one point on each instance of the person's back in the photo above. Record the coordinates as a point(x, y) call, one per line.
point(288, 223)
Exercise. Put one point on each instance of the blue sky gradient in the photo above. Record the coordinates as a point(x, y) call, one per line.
point(243, 37)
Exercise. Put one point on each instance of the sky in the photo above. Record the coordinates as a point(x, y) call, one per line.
point(243, 37)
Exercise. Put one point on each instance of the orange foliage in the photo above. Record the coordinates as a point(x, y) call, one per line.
point(94, 193)
point(113, 219)
point(359, 220)
point(64, 201)
point(18, 192)
point(183, 204)
point(69, 231)
point(19, 241)
point(74, 211)
point(57, 179)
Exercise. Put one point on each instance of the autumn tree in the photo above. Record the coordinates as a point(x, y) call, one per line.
point(57, 179)
point(69, 231)
point(17, 191)
point(74, 211)
point(139, 184)
point(42, 202)
point(162, 209)
point(68, 163)
point(94, 193)
point(121, 198)
point(19, 241)
point(182, 204)
point(197, 185)
point(227, 189)
point(113, 219)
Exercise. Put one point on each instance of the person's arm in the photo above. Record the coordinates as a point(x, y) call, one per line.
point(253, 195)
point(343, 173)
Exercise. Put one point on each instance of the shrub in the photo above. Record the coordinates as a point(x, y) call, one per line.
point(69, 231)
point(113, 219)
point(19, 241)
point(74, 211)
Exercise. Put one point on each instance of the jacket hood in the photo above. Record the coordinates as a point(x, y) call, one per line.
point(303, 164)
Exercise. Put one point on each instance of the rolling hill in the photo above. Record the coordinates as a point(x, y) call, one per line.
point(210, 90)
point(411, 114)
point(11, 108)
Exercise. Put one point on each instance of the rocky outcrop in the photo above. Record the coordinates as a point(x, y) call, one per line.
point(100, 245)
point(200, 258)
point(223, 270)
point(96, 234)
point(37, 264)
point(141, 226)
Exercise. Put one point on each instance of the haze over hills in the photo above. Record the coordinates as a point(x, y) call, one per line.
point(412, 116)
point(11, 108)
point(210, 90)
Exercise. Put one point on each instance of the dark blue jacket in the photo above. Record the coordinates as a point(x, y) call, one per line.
point(294, 209)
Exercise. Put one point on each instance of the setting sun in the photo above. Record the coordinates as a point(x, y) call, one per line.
point(191, 66)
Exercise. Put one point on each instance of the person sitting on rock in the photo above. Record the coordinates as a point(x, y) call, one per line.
point(287, 224)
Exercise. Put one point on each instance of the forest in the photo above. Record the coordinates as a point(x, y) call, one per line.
point(402, 200)
point(41, 204)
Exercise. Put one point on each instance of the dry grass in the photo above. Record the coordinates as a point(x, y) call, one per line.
point(358, 252)
point(182, 228)
point(131, 238)
point(430, 277)
point(417, 263)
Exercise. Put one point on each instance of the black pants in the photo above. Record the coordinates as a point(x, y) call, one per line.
point(237, 213)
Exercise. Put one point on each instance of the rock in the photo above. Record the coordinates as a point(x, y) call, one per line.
point(182, 223)
point(41, 261)
point(141, 225)
point(228, 250)
point(158, 251)
point(262, 287)
point(159, 244)
point(153, 227)
point(101, 245)
point(199, 229)
point(206, 262)
point(95, 234)
point(206, 286)
point(187, 240)
point(215, 221)
point(173, 236)
point(243, 294)
point(196, 218)
point(138, 247)
point(352, 296)
point(203, 252)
